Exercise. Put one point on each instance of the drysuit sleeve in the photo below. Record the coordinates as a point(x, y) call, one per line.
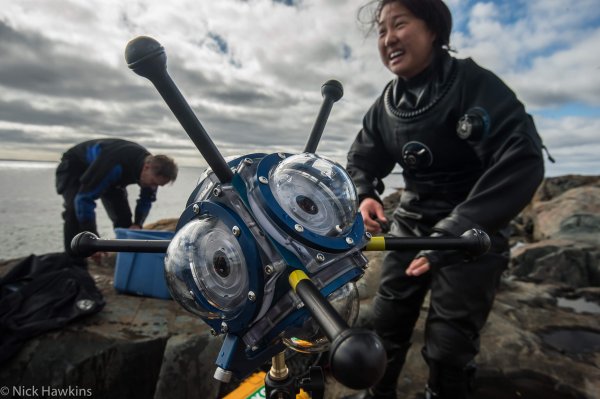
point(85, 199)
point(368, 160)
point(144, 203)
point(512, 157)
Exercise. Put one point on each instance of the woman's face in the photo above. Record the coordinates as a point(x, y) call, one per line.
point(405, 42)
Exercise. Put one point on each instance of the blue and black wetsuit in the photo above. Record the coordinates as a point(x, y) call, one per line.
point(101, 169)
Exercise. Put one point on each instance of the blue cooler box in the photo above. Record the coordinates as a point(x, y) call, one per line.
point(142, 273)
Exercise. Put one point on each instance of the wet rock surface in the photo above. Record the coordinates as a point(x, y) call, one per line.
point(136, 347)
point(541, 340)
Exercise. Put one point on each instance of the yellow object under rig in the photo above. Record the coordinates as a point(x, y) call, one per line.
point(253, 387)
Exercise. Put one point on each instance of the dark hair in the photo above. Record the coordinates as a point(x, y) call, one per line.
point(163, 165)
point(434, 13)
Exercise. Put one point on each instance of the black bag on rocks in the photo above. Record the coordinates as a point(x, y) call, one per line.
point(43, 293)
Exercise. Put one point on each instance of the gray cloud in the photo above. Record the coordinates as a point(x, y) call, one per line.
point(252, 72)
point(36, 65)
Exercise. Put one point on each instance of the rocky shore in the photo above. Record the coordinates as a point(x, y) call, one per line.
point(542, 339)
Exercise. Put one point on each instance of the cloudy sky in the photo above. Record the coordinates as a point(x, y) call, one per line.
point(252, 72)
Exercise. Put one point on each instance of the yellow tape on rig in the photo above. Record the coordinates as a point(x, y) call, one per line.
point(295, 277)
point(376, 244)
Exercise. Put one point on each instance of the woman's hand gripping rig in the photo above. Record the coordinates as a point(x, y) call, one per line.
point(268, 249)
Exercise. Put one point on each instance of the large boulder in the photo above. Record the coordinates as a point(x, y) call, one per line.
point(574, 214)
point(552, 187)
point(558, 261)
point(558, 235)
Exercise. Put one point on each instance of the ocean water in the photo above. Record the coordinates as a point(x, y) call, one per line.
point(30, 209)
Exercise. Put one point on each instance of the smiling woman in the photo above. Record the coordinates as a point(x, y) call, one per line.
point(471, 157)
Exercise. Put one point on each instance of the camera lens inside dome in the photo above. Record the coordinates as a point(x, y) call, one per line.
point(315, 193)
point(220, 263)
point(307, 205)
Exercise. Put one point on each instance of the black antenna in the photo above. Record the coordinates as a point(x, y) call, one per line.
point(146, 57)
point(332, 91)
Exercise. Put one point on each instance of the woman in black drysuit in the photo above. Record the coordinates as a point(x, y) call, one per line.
point(471, 158)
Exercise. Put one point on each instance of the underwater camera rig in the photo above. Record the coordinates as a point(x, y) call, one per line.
point(268, 250)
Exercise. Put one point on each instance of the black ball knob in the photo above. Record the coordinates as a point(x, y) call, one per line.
point(83, 244)
point(332, 89)
point(357, 358)
point(480, 241)
point(145, 56)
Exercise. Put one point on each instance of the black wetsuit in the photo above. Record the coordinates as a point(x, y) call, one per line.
point(453, 184)
point(101, 168)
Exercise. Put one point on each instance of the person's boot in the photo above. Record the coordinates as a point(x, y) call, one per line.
point(448, 381)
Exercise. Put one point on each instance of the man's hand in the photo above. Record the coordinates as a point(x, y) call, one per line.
point(372, 214)
point(135, 227)
point(418, 266)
